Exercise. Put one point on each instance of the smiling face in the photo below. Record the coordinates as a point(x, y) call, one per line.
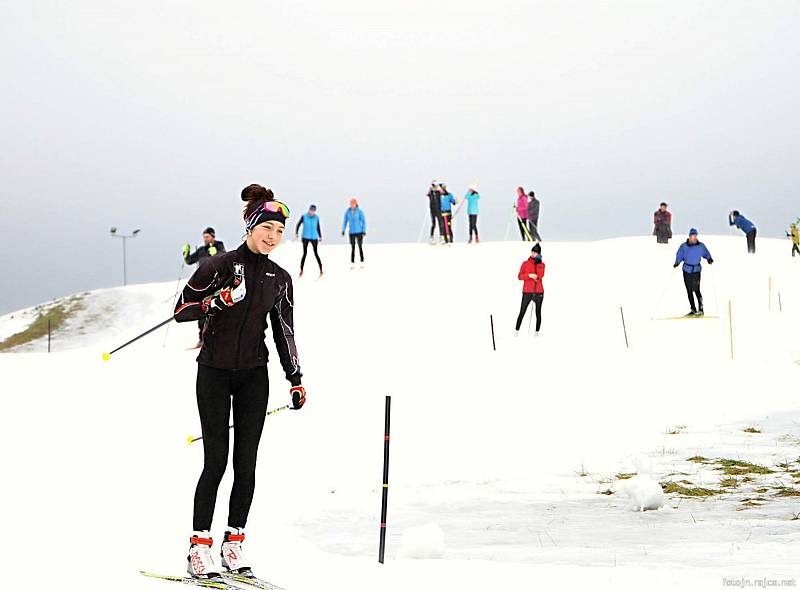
point(265, 237)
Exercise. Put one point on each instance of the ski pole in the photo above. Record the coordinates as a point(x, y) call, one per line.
point(624, 329)
point(107, 355)
point(174, 297)
point(190, 439)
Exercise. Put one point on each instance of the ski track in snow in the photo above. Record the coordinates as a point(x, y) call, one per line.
point(508, 452)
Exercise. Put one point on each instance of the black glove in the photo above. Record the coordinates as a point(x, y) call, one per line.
point(298, 394)
point(676, 265)
point(711, 262)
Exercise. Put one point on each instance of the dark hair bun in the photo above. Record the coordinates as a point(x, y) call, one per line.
point(256, 192)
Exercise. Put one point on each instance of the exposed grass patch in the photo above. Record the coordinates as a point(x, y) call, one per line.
point(697, 459)
point(751, 430)
point(57, 313)
point(750, 503)
point(736, 467)
point(787, 492)
point(671, 487)
point(607, 492)
point(624, 475)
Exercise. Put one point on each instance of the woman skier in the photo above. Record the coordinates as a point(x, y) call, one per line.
point(312, 234)
point(472, 197)
point(354, 217)
point(446, 228)
point(521, 208)
point(237, 292)
point(531, 273)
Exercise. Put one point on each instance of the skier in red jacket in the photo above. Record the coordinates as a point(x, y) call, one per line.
point(531, 273)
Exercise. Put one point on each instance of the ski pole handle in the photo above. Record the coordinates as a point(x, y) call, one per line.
point(191, 439)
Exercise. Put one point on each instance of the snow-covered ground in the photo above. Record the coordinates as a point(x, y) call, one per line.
point(505, 464)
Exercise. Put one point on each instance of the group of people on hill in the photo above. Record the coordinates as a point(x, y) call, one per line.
point(527, 208)
point(354, 224)
point(443, 207)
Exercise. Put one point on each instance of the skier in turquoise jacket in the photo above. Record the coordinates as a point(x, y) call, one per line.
point(312, 234)
point(472, 197)
point(446, 219)
point(354, 217)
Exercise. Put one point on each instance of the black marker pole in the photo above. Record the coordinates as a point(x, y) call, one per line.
point(385, 499)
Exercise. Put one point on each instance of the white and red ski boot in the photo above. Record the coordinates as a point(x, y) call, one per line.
point(232, 557)
point(200, 558)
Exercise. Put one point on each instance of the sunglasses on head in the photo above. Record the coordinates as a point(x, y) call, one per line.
point(275, 207)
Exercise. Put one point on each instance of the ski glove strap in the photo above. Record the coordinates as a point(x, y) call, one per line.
point(298, 394)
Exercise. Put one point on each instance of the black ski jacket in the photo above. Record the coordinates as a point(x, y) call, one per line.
point(233, 337)
point(201, 255)
point(435, 201)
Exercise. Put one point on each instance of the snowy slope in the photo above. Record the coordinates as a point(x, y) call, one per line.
point(511, 453)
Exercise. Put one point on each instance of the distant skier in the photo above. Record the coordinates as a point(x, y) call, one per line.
point(691, 254)
point(662, 224)
point(472, 197)
point(533, 217)
point(435, 206)
point(747, 226)
point(211, 247)
point(531, 273)
point(446, 227)
point(354, 217)
point(312, 234)
point(522, 214)
point(238, 292)
point(794, 234)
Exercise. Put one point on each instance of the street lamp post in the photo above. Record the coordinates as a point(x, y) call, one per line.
point(124, 237)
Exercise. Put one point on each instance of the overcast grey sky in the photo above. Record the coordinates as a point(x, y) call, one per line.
point(156, 114)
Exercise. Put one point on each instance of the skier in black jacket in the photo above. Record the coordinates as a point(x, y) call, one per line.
point(435, 205)
point(211, 247)
point(237, 292)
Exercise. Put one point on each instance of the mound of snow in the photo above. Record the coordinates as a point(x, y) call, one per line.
point(422, 542)
point(644, 493)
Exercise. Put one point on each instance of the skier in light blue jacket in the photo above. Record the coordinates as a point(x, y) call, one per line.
point(354, 217)
point(312, 234)
point(472, 197)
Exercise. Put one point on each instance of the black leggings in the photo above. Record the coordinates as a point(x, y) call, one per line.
point(692, 282)
point(305, 251)
point(473, 225)
point(356, 238)
point(795, 248)
point(434, 221)
point(751, 241)
point(249, 389)
point(533, 229)
point(538, 299)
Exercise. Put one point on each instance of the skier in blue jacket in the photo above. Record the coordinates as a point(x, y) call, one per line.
point(691, 253)
point(446, 219)
point(747, 226)
point(472, 197)
point(354, 217)
point(312, 234)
